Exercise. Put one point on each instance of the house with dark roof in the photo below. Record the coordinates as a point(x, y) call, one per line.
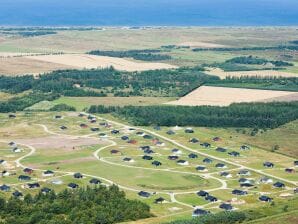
point(265, 198)
point(206, 145)
point(189, 130)
point(3, 162)
point(239, 192)
point(114, 132)
point(124, 138)
point(290, 170)
point(159, 200)
point(12, 144)
point(94, 129)
point(216, 139)
point(102, 135)
point(63, 127)
point(220, 149)
point(244, 147)
point(146, 157)
point(202, 193)
point(94, 181)
point(17, 194)
point(207, 160)
point(296, 163)
point(114, 151)
point(225, 206)
point(156, 163)
point(279, 185)
point(33, 185)
point(220, 165)
point(266, 180)
point(48, 173)
point(28, 170)
point(211, 198)
point(5, 173)
point(45, 190)
point(144, 194)
point(24, 178)
point(176, 151)
point(234, 153)
point(145, 147)
point(173, 157)
point(148, 151)
point(140, 133)
point(201, 168)
point(78, 175)
point(225, 174)
point(12, 116)
point(192, 156)
point(83, 125)
point(246, 185)
point(199, 212)
point(73, 185)
point(58, 116)
point(268, 164)
point(128, 160)
point(5, 188)
point(244, 173)
point(170, 132)
point(194, 140)
point(182, 162)
point(147, 137)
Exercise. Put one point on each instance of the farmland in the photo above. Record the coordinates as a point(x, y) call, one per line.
point(222, 96)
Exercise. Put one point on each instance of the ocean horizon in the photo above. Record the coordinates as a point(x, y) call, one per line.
point(149, 13)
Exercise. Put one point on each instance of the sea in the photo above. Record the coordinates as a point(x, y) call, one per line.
point(148, 12)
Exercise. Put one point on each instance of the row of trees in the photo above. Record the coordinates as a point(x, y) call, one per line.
point(144, 55)
point(250, 60)
point(254, 115)
point(255, 82)
point(89, 205)
point(281, 47)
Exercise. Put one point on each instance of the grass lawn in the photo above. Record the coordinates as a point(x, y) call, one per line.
point(84, 102)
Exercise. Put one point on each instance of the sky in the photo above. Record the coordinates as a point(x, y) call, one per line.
point(148, 12)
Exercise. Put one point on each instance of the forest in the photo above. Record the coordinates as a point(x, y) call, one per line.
point(104, 205)
point(252, 115)
point(144, 55)
point(99, 82)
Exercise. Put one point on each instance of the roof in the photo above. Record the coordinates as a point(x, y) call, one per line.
point(210, 198)
point(234, 153)
point(159, 200)
point(268, 164)
point(146, 157)
point(220, 165)
point(202, 193)
point(94, 181)
point(207, 160)
point(17, 194)
point(78, 175)
point(156, 163)
point(220, 149)
point(73, 185)
point(226, 206)
point(173, 157)
point(33, 185)
point(144, 194)
point(200, 168)
point(198, 212)
point(279, 184)
point(239, 192)
point(46, 190)
point(192, 156)
point(265, 198)
point(4, 187)
point(24, 177)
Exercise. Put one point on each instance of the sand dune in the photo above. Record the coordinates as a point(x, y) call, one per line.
point(222, 96)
